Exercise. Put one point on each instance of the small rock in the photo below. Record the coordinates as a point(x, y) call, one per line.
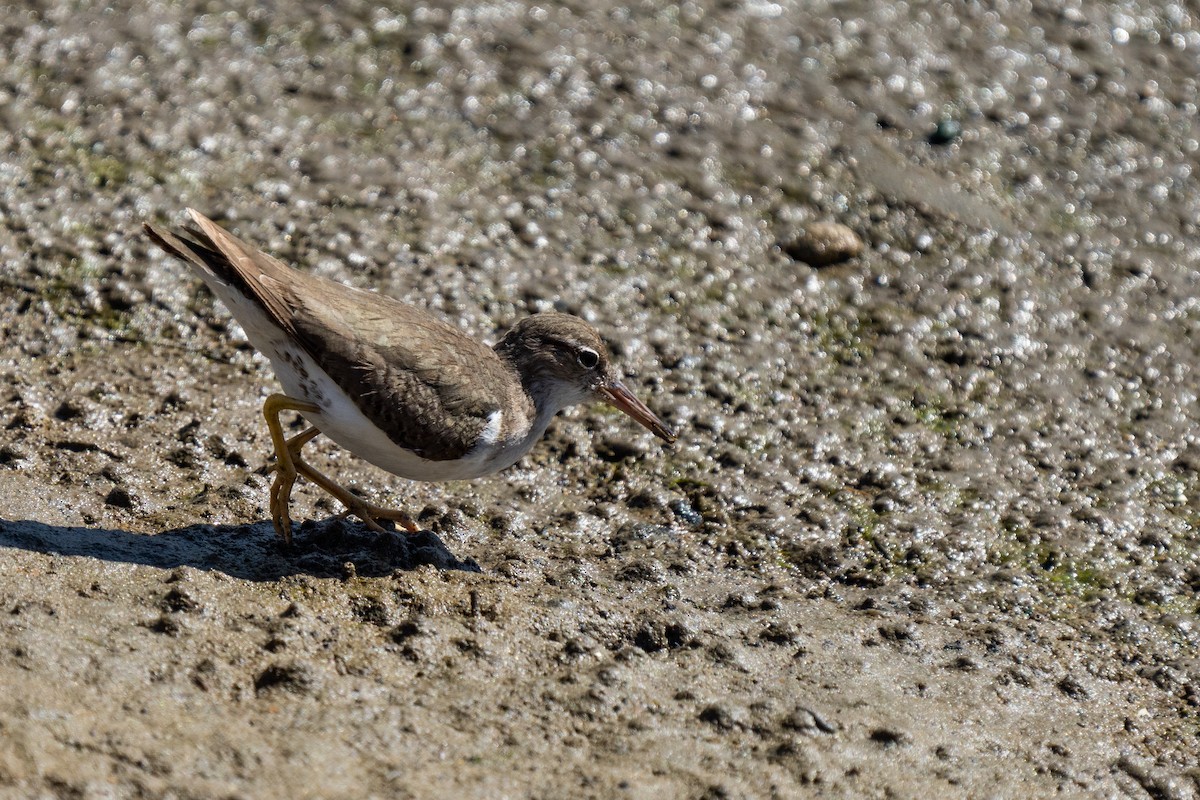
point(681, 633)
point(741, 599)
point(165, 624)
point(371, 610)
point(821, 244)
point(946, 131)
point(641, 571)
point(654, 635)
point(898, 631)
point(293, 611)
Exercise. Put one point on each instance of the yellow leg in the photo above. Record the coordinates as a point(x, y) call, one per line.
point(287, 454)
point(288, 465)
point(294, 444)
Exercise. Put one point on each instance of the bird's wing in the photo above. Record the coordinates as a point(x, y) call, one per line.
point(431, 387)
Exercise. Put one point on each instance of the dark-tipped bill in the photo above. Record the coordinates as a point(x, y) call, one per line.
point(616, 393)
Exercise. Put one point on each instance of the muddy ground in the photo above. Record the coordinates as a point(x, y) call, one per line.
point(931, 525)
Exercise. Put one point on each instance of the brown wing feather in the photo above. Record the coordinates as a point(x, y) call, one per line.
point(424, 382)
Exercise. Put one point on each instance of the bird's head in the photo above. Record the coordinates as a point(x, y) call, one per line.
point(563, 362)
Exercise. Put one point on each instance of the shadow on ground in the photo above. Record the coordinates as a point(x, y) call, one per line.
point(329, 548)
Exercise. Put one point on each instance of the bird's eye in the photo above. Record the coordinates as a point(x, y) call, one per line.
point(588, 358)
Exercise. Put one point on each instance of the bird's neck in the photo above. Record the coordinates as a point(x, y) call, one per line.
point(551, 396)
point(543, 396)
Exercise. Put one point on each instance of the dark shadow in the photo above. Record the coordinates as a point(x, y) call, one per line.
point(329, 548)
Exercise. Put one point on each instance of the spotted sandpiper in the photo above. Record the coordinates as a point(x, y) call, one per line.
point(389, 381)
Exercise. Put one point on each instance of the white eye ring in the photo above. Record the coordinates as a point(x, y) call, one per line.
point(588, 358)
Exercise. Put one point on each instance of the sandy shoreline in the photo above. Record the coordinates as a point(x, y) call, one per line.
point(931, 526)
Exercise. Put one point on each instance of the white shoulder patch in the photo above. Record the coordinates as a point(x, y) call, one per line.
point(491, 432)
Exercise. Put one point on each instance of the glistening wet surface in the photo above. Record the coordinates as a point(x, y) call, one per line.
point(915, 284)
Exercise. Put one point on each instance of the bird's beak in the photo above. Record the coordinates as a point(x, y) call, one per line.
point(615, 392)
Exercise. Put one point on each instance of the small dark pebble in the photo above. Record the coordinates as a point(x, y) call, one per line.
point(183, 458)
point(681, 634)
point(645, 499)
point(293, 611)
point(427, 549)
point(580, 646)
point(641, 571)
point(946, 131)
point(370, 610)
point(172, 401)
point(741, 600)
point(898, 631)
point(187, 433)
point(730, 456)
point(650, 637)
point(964, 664)
point(653, 636)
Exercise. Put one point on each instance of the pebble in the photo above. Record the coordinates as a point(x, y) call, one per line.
point(822, 244)
point(946, 131)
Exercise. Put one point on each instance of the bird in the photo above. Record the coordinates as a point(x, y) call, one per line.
point(391, 382)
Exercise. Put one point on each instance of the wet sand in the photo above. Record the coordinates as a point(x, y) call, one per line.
point(931, 525)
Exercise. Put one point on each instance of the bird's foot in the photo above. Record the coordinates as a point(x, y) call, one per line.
point(370, 514)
